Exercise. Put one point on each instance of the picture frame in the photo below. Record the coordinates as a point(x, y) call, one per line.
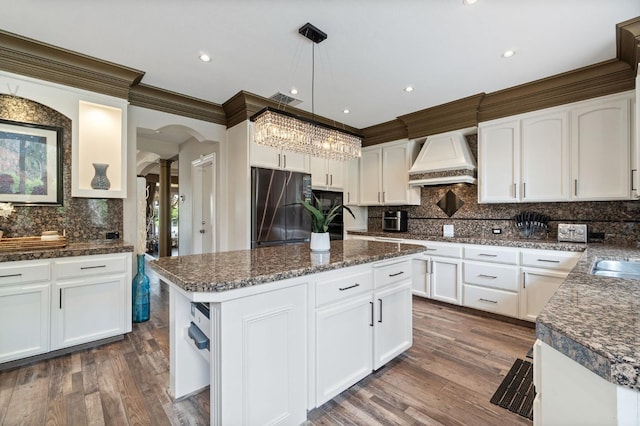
point(30, 163)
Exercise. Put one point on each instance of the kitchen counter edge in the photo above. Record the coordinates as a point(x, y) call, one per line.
point(72, 249)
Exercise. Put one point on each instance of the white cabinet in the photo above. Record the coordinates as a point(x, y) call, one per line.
point(601, 149)
point(327, 174)
point(352, 185)
point(362, 321)
point(91, 298)
point(575, 152)
point(437, 273)
point(384, 175)
point(24, 309)
point(542, 273)
point(274, 158)
point(490, 277)
point(525, 159)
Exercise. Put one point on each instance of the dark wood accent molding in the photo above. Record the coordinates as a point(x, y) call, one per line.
point(584, 83)
point(455, 115)
point(385, 132)
point(21, 55)
point(628, 42)
point(245, 104)
point(158, 99)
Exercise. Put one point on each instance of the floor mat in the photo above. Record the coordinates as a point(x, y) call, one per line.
point(516, 392)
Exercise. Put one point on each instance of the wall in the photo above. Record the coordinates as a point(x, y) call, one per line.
point(618, 220)
point(83, 219)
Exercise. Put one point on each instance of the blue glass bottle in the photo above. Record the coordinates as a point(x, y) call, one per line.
point(140, 297)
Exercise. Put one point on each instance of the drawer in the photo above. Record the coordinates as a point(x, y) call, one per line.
point(343, 287)
point(491, 300)
point(564, 261)
point(90, 266)
point(443, 250)
point(391, 273)
point(492, 254)
point(23, 273)
point(488, 275)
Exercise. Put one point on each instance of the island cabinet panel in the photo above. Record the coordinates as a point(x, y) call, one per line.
point(393, 327)
point(259, 359)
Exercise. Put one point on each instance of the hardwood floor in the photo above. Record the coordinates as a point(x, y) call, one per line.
point(447, 378)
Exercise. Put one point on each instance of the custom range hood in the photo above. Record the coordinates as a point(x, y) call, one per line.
point(444, 158)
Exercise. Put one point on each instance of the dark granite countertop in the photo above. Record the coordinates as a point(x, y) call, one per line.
point(216, 272)
point(71, 249)
point(492, 241)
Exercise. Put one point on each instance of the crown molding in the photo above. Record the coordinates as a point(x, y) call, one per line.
point(628, 42)
point(455, 115)
point(384, 132)
point(21, 55)
point(601, 79)
point(244, 104)
point(158, 99)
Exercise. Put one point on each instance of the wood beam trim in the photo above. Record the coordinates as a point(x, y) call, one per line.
point(24, 56)
point(455, 115)
point(385, 132)
point(628, 42)
point(150, 97)
point(584, 83)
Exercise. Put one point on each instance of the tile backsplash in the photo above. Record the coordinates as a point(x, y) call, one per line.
point(83, 219)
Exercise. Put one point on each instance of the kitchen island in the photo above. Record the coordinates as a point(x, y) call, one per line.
point(287, 329)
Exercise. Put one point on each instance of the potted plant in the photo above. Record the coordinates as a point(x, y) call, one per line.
point(320, 224)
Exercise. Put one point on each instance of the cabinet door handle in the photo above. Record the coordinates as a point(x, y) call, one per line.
point(575, 187)
point(279, 160)
point(348, 197)
point(347, 288)
point(60, 298)
point(378, 196)
point(285, 161)
point(492, 277)
point(487, 300)
point(330, 179)
point(326, 179)
point(380, 317)
point(371, 323)
point(10, 275)
point(93, 267)
point(548, 261)
point(514, 190)
point(430, 249)
point(396, 274)
point(384, 196)
point(633, 172)
point(524, 190)
point(487, 255)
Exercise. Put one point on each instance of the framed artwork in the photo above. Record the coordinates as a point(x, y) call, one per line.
point(30, 163)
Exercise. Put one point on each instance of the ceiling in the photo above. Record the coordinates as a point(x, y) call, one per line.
point(375, 48)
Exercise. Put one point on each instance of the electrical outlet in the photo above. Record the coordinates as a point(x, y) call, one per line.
point(496, 230)
point(115, 235)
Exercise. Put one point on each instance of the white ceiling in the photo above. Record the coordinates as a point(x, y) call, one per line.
point(375, 48)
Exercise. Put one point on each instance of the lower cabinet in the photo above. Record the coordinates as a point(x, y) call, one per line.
point(491, 287)
point(445, 280)
point(537, 288)
point(56, 303)
point(362, 321)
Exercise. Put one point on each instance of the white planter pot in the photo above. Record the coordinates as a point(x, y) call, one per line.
point(320, 242)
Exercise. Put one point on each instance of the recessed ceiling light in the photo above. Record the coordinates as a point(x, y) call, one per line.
point(508, 53)
point(293, 91)
point(205, 58)
point(346, 111)
point(467, 2)
point(408, 89)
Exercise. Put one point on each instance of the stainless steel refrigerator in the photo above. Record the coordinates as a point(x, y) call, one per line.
point(276, 216)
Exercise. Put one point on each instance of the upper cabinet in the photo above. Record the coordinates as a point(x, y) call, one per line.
point(274, 158)
point(99, 156)
point(384, 175)
point(577, 152)
point(352, 185)
point(327, 174)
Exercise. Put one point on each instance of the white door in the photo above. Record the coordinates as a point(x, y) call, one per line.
point(392, 333)
point(371, 177)
point(498, 151)
point(445, 280)
point(538, 286)
point(203, 223)
point(395, 175)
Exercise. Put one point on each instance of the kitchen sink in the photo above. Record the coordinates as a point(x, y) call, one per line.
point(617, 268)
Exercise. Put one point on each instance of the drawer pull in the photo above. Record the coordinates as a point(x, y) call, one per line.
point(380, 318)
point(487, 300)
point(430, 249)
point(351, 286)
point(493, 277)
point(487, 255)
point(10, 275)
point(371, 323)
point(548, 261)
point(93, 267)
point(396, 274)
